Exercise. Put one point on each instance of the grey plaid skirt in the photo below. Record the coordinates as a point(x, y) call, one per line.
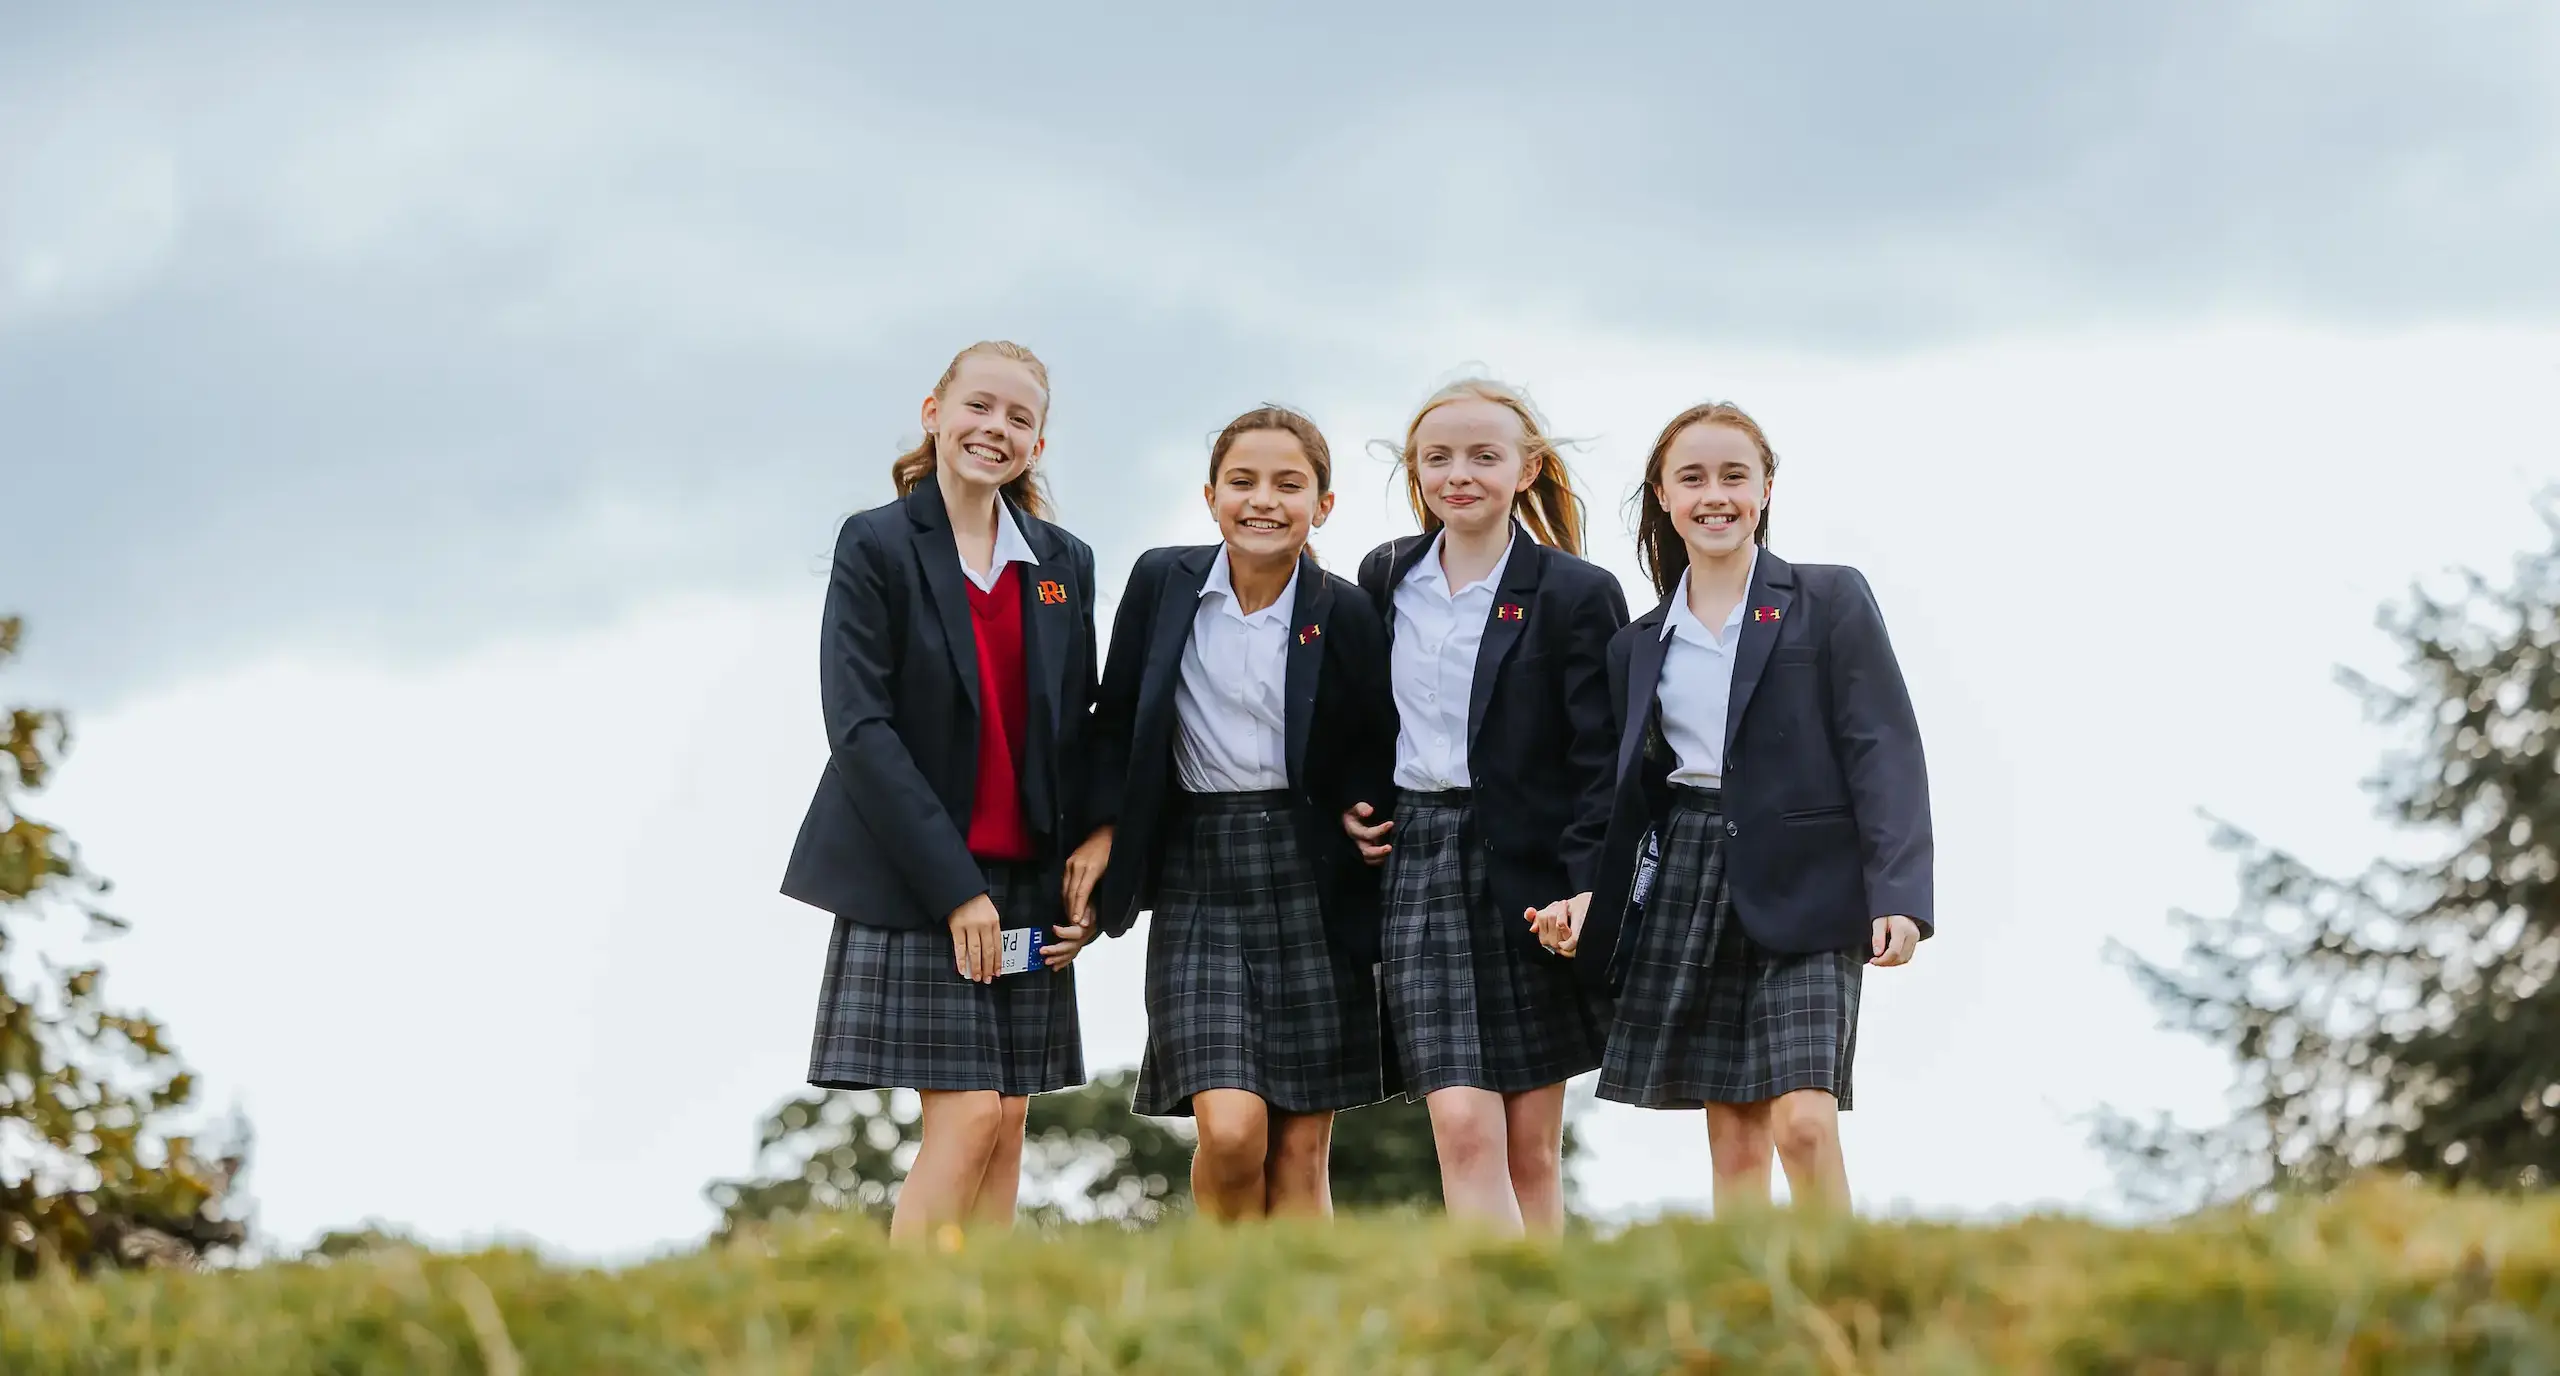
point(1469, 1001)
point(1243, 989)
point(896, 1014)
point(1708, 1015)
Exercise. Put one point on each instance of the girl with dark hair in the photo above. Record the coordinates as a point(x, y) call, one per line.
point(1244, 707)
point(1771, 784)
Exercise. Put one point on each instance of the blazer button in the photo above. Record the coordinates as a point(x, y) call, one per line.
point(1732, 829)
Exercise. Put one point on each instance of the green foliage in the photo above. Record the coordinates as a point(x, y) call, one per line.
point(87, 1177)
point(1085, 1145)
point(2382, 1279)
point(2406, 1018)
point(1085, 1156)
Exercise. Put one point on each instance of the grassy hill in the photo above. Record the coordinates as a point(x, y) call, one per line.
point(2384, 1279)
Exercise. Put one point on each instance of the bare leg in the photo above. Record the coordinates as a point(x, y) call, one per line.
point(1534, 1126)
point(1739, 1144)
point(1806, 1125)
point(958, 1138)
point(1227, 1177)
point(1475, 1176)
point(1301, 1179)
point(998, 1189)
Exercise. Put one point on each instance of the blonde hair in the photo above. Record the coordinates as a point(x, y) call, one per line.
point(1549, 508)
point(913, 467)
point(1659, 547)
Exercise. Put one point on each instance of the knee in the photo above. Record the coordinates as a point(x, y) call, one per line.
point(1534, 1160)
point(1306, 1143)
point(972, 1123)
point(1739, 1145)
point(1468, 1146)
point(1232, 1144)
point(1804, 1131)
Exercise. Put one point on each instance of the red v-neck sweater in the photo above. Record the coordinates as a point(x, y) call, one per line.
point(996, 826)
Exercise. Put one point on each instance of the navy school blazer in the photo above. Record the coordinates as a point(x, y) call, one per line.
point(1340, 735)
point(1826, 796)
point(885, 842)
point(1541, 732)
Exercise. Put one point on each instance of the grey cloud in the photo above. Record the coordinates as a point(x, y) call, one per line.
point(404, 329)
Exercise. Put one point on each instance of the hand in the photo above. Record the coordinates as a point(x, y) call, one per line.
point(1373, 849)
point(977, 939)
point(1559, 924)
point(1065, 941)
point(1895, 939)
point(1084, 870)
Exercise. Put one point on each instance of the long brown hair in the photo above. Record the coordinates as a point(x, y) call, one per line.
point(1026, 491)
point(1659, 547)
point(1280, 418)
point(1549, 508)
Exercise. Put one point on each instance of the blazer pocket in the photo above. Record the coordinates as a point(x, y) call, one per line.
point(1797, 655)
point(1816, 814)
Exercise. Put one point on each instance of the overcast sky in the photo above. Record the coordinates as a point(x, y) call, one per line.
point(423, 432)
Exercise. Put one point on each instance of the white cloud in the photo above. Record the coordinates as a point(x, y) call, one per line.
point(492, 946)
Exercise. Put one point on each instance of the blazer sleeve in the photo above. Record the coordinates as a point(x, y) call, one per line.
point(857, 673)
point(1373, 777)
point(1115, 700)
point(1594, 684)
point(1373, 578)
point(1877, 737)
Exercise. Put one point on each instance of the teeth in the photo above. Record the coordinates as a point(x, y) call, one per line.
point(983, 452)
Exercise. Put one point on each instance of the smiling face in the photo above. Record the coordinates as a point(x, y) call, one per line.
point(1468, 464)
point(1266, 496)
point(1714, 485)
point(986, 423)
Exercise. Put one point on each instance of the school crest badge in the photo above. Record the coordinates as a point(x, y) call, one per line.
point(1510, 611)
point(1766, 613)
point(1052, 592)
point(1307, 636)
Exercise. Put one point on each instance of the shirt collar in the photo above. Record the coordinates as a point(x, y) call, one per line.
point(1221, 582)
point(1682, 618)
point(1430, 570)
point(1011, 548)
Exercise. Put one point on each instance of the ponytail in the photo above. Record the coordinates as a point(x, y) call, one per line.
point(915, 467)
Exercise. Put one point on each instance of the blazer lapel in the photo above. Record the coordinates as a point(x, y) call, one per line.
point(1503, 625)
point(1773, 582)
point(1306, 655)
point(1409, 552)
point(1046, 613)
point(1175, 608)
point(939, 555)
point(1644, 674)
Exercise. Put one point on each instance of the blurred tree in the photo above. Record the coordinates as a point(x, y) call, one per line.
point(825, 1150)
point(1085, 1156)
point(89, 1175)
point(2407, 1018)
point(1087, 1149)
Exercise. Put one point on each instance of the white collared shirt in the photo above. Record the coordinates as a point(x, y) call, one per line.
point(1437, 633)
point(1696, 689)
point(1232, 700)
point(1011, 548)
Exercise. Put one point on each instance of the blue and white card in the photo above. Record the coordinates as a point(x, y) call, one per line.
point(1021, 951)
